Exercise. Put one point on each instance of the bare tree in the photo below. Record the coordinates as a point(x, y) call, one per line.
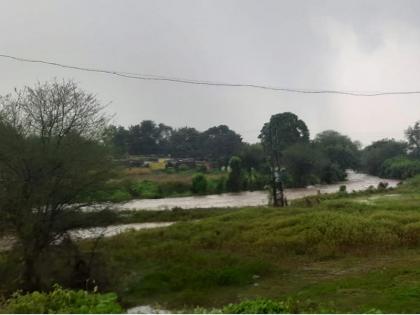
point(49, 154)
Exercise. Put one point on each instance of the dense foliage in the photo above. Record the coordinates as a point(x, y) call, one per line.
point(400, 167)
point(148, 138)
point(374, 155)
point(339, 149)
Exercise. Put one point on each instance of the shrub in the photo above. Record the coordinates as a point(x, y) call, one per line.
point(120, 196)
point(199, 184)
point(63, 301)
point(147, 189)
point(342, 189)
point(400, 168)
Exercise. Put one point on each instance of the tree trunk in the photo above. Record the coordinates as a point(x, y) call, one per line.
point(281, 194)
point(274, 192)
point(30, 276)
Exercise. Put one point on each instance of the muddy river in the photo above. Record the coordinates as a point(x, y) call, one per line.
point(356, 181)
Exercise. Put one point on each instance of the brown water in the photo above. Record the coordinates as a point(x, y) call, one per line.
point(6, 243)
point(356, 181)
point(107, 231)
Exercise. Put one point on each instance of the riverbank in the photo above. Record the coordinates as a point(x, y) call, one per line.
point(346, 252)
point(142, 188)
point(355, 182)
point(350, 253)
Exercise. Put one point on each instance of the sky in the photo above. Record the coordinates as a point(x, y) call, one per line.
point(353, 45)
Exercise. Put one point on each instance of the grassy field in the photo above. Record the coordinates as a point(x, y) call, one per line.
point(338, 253)
point(350, 253)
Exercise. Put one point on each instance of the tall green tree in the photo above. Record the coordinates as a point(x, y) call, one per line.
point(303, 163)
point(340, 149)
point(374, 155)
point(148, 138)
point(413, 137)
point(220, 143)
point(282, 131)
point(235, 179)
point(253, 156)
point(117, 139)
point(185, 142)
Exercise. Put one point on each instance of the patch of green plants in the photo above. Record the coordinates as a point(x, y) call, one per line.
point(62, 301)
point(268, 306)
point(400, 168)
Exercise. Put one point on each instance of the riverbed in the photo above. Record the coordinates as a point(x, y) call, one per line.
point(355, 181)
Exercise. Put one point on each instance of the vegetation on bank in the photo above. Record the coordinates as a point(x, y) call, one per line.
point(332, 253)
point(171, 183)
point(238, 166)
point(337, 253)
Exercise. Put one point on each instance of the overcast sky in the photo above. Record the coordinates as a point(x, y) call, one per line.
point(350, 45)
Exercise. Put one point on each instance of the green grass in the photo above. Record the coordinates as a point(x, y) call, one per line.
point(336, 252)
point(332, 253)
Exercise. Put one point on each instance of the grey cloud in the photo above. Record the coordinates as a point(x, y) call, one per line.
point(303, 44)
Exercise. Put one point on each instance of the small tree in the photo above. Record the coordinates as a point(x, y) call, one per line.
point(234, 181)
point(50, 153)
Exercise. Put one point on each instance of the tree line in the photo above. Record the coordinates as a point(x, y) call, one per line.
point(322, 160)
point(149, 138)
point(285, 155)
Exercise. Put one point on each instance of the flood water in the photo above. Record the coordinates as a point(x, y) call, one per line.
point(356, 181)
point(107, 231)
point(6, 243)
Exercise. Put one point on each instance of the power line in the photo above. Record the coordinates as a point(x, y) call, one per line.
point(152, 77)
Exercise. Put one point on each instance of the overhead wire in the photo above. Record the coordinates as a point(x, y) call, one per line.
point(154, 77)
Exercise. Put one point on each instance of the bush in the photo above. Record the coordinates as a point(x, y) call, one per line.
point(63, 301)
point(147, 189)
point(342, 189)
point(199, 184)
point(400, 168)
point(120, 196)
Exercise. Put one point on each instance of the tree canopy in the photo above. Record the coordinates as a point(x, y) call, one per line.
point(413, 137)
point(339, 148)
